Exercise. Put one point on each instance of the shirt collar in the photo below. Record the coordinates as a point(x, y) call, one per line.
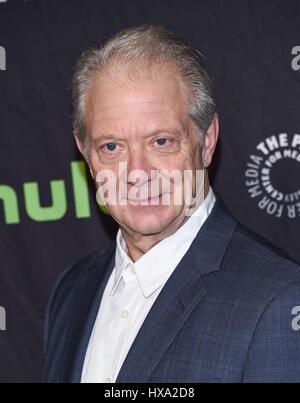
point(155, 267)
point(122, 260)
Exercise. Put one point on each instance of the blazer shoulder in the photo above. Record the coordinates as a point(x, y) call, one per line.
point(262, 258)
point(65, 285)
point(251, 250)
point(259, 240)
point(76, 271)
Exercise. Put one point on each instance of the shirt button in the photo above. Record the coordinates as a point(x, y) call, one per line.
point(108, 380)
point(132, 270)
point(124, 314)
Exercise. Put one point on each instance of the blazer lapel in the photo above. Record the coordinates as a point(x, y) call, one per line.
point(169, 312)
point(181, 294)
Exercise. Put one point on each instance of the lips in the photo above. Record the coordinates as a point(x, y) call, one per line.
point(148, 200)
point(152, 201)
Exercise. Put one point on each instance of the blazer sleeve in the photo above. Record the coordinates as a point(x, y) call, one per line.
point(274, 352)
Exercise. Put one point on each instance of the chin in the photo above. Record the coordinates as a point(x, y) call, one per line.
point(151, 222)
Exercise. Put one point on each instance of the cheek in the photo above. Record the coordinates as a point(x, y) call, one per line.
point(93, 163)
point(197, 159)
point(177, 161)
point(105, 175)
point(190, 159)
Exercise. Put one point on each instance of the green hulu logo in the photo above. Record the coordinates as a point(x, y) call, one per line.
point(59, 199)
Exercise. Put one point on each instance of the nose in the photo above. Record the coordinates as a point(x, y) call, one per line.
point(138, 166)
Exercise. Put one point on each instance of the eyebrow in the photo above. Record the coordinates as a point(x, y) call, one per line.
point(176, 132)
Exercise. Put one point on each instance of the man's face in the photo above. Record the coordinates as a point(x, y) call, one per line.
point(144, 123)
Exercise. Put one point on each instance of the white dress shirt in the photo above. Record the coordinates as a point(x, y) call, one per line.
point(130, 293)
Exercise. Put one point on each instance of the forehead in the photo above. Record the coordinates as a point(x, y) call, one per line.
point(118, 97)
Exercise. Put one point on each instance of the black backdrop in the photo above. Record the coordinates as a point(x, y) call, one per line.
point(48, 214)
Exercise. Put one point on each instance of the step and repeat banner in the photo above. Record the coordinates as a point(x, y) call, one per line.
point(49, 217)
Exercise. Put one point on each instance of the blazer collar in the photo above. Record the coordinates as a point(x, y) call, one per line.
point(210, 244)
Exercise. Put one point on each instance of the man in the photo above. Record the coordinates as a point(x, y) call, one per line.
point(186, 294)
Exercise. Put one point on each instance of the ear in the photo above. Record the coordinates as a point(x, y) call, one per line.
point(80, 147)
point(210, 141)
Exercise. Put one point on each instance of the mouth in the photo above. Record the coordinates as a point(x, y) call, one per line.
point(150, 201)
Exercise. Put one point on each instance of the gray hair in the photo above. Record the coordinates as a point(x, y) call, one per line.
point(146, 44)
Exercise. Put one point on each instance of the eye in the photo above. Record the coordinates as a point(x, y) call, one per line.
point(110, 146)
point(162, 141)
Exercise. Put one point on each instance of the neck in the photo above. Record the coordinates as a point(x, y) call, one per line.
point(139, 244)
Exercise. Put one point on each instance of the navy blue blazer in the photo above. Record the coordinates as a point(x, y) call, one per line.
point(226, 314)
